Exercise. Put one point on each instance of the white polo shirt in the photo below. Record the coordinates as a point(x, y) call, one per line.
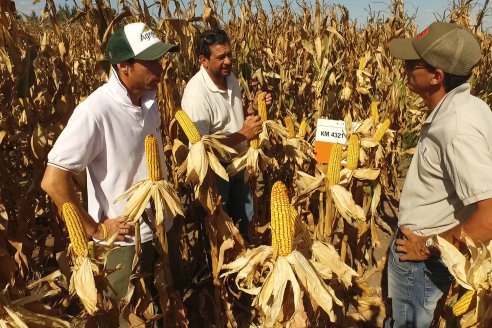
point(211, 109)
point(452, 168)
point(105, 135)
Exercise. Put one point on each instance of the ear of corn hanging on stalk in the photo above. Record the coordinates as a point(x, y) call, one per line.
point(153, 158)
point(281, 220)
point(76, 231)
point(334, 165)
point(291, 132)
point(262, 112)
point(374, 111)
point(188, 127)
point(302, 129)
point(353, 152)
point(381, 130)
point(464, 303)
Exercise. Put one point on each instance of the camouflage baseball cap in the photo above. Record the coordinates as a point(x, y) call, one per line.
point(446, 46)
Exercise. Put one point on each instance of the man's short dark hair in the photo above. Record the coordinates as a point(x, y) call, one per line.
point(208, 38)
point(451, 81)
point(129, 61)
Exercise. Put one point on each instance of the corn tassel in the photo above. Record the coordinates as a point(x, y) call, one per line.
point(188, 127)
point(262, 112)
point(281, 221)
point(334, 165)
point(381, 130)
point(353, 152)
point(302, 129)
point(152, 158)
point(76, 231)
point(291, 131)
point(464, 303)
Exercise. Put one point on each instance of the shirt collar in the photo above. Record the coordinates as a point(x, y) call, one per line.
point(211, 84)
point(446, 100)
point(121, 96)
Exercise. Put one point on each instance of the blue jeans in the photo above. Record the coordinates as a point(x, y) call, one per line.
point(414, 289)
point(237, 199)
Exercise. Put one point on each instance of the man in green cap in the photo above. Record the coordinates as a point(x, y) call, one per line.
point(105, 136)
point(448, 187)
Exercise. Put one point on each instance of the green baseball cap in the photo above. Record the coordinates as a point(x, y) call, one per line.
point(446, 46)
point(136, 40)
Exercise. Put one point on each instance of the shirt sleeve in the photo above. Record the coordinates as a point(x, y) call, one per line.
point(469, 163)
point(78, 144)
point(195, 106)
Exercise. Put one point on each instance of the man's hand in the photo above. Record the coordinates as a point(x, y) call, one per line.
point(252, 127)
point(413, 247)
point(113, 226)
point(268, 99)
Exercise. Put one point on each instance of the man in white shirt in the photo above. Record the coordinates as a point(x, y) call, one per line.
point(212, 99)
point(448, 187)
point(105, 136)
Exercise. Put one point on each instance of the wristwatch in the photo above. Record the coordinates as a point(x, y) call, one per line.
point(429, 243)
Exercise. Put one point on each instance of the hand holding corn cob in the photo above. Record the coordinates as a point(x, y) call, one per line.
point(252, 127)
point(266, 96)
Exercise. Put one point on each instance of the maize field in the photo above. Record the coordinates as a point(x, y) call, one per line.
point(317, 228)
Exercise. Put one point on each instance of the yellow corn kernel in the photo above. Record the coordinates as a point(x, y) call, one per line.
point(254, 143)
point(334, 165)
point(291, 131)
point(76, 231)
point(464, 303)
point(302, 129)
point(188, 127)
point(374, 111)
point(152, 158)
point(381, 130)
point(353, 151)
point(281, 222)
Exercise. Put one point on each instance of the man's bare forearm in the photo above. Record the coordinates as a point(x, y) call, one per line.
point(233, 139)
point(478, 226)
point(59, 186)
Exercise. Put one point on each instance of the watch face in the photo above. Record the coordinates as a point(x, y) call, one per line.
point(429, 242)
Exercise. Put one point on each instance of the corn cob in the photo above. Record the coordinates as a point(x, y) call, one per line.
point(353, 152)
point(152, 158)
point(262, 112)
point(281, 221)
point(291, 131)
point(334, 165)
point(188, 127)
point(300, 229)
point(302, 129)
point(381, 130)
point(76, 231)
point(464, 303)
point(374, 111)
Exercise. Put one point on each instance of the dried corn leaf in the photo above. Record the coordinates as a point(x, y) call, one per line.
point(455, 261)
point(366, 174)
point(82, 282)
point(345, 204)
point(327, 255)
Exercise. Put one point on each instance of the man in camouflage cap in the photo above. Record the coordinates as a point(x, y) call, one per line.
point(448, 187)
